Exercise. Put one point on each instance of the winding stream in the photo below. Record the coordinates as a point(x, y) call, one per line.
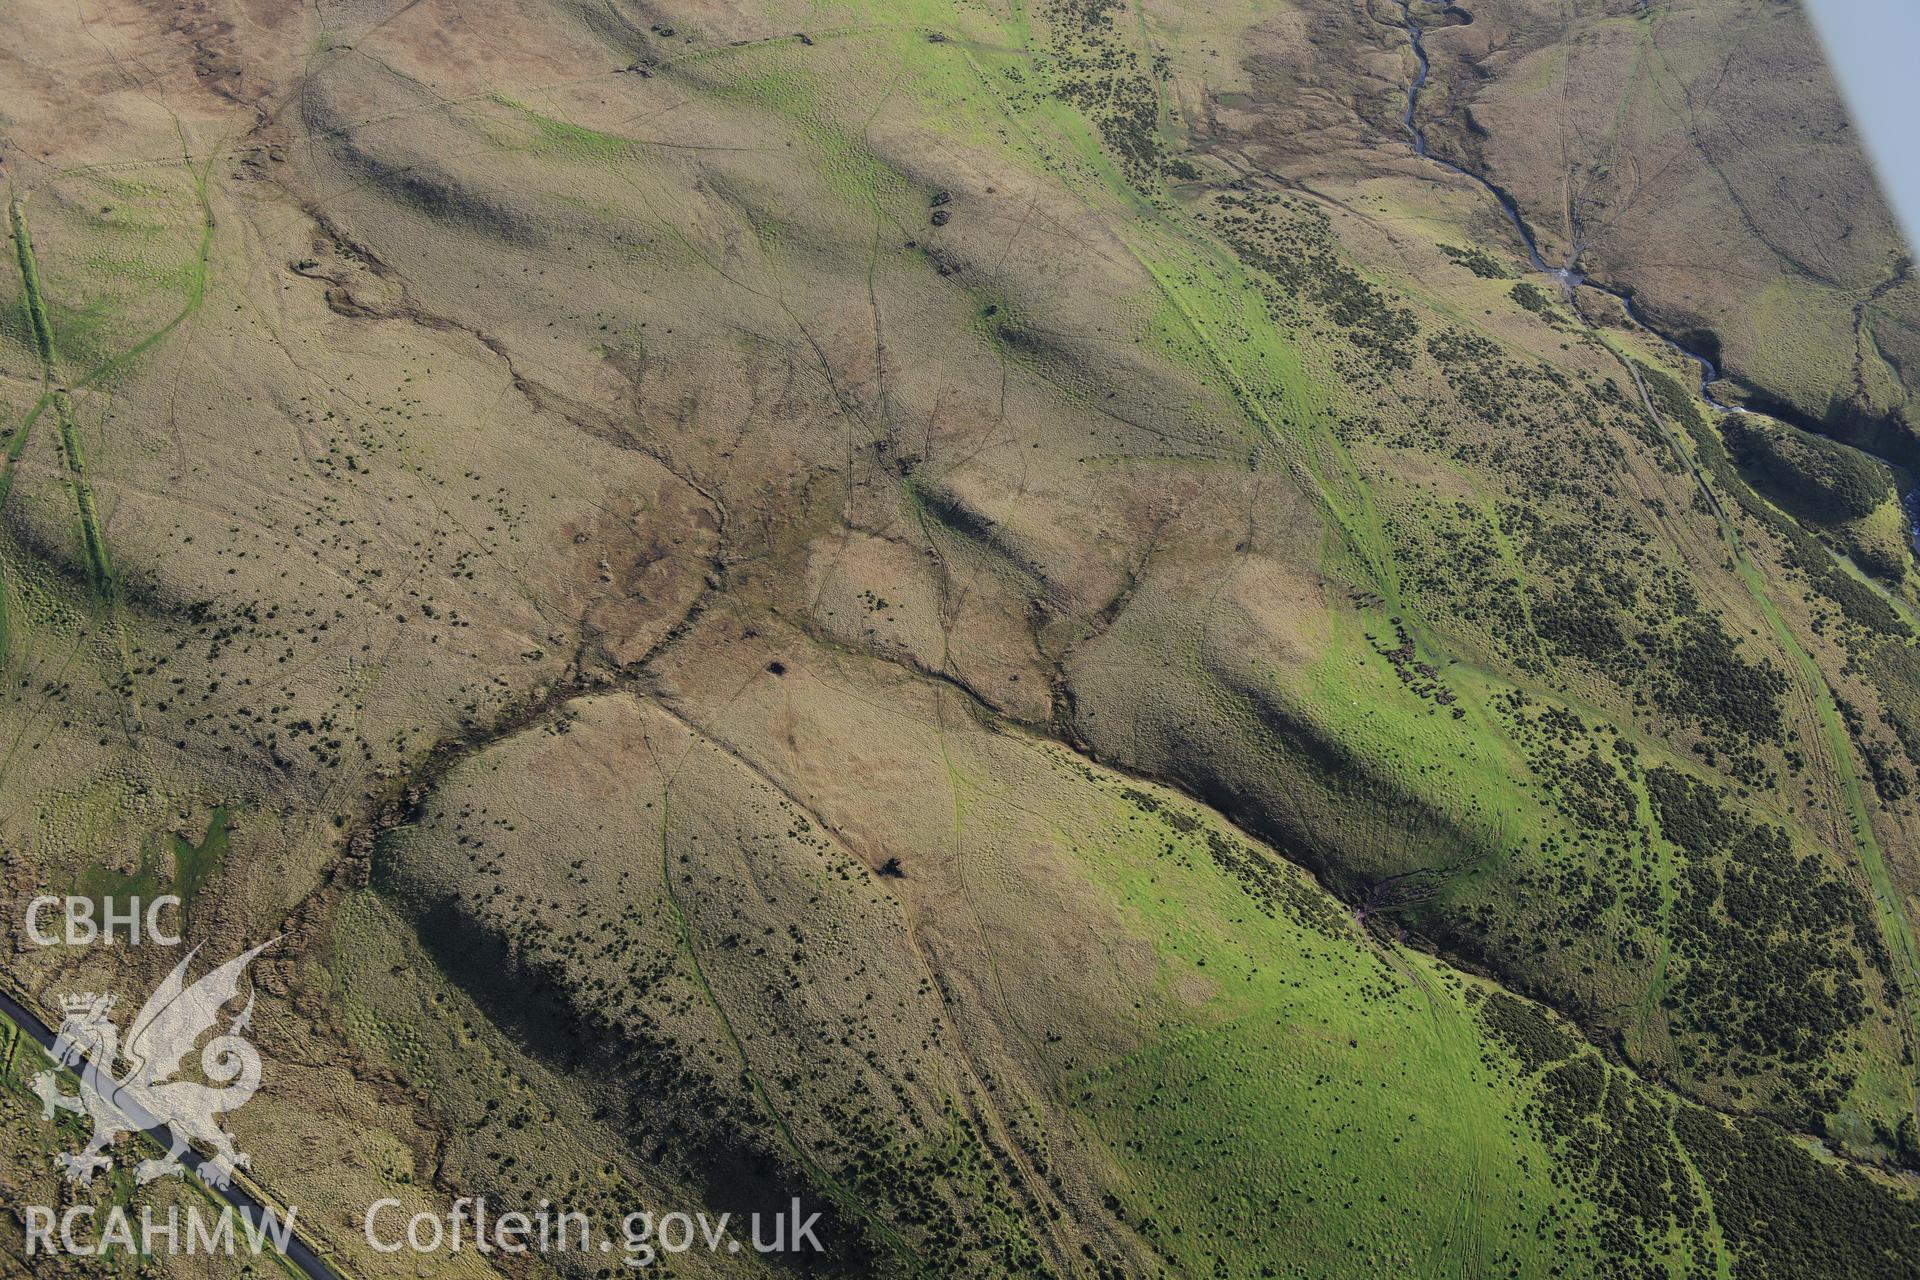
point(1893, 922)
point(1569, 274)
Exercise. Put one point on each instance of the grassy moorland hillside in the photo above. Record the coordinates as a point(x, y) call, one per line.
point(1011, 619)
point(1698, 154)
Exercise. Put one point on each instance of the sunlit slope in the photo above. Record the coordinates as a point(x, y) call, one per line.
point(1160, 1000)
point(1700, 154)
point(1213, 309)
point(597, 525)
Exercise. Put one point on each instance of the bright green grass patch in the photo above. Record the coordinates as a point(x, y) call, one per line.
point(173, 864)
point(1215, 322)
point(555, 137)
point(1565, 868)
point(1463, 764)
point(83, 330)
point(1370, 1123)
point(197, 865)
point(819, 108)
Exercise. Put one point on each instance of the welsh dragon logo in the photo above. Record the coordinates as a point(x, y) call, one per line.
point(148, 1092)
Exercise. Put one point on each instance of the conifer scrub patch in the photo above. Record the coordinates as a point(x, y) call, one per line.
point(1054, 640)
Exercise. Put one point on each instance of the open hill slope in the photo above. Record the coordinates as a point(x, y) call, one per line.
point(1011, 619)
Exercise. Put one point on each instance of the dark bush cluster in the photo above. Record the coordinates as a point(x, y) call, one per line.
point(1787, 1215)
point(1765, 942)
point(1292, 242)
